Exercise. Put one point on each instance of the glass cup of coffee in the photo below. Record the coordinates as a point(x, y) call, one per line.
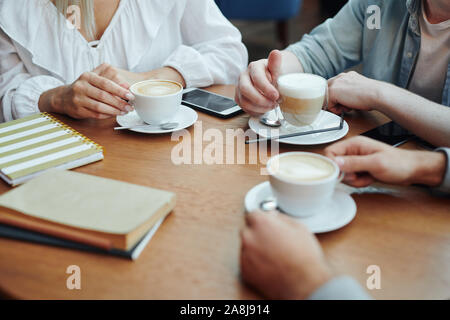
point(302, 182)
point(302, 98)
point(157, 101)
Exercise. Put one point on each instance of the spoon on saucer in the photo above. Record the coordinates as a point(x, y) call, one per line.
point(163, 126)
point(270, 122)
point(268, 119)
point(269, 204)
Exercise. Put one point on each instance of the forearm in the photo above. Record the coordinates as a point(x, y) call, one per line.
point(424, 118)
point(52, 100)
point(165, 73)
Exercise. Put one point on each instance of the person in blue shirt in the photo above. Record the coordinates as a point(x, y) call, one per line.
point(404, 49)
point(283, 260)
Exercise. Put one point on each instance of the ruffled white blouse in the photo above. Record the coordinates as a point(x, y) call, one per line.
point(39, 51)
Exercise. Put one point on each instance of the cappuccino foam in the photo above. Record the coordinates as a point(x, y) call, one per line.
point(156, 89)
point(302, 168)
point(302, 86)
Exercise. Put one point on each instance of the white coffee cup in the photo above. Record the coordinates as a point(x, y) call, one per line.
point(302, 190)
point(159, 105)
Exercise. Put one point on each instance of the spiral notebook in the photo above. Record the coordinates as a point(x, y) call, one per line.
point(32, 145)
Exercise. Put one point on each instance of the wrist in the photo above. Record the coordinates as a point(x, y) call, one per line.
point(430, 168)
point(377, 93)
point(49, 101)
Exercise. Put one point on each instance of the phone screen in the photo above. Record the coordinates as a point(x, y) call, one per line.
point(390, 133)
point(208, 101)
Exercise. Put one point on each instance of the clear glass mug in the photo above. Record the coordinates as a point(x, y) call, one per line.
point(303, 96)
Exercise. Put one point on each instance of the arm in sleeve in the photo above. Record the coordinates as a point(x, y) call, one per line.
point(19, 91)
point(336, 44)
point(212, 50)
point(445, 186)
point(340, 288)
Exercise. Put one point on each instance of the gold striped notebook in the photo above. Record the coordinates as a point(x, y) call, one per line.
point(31, 145)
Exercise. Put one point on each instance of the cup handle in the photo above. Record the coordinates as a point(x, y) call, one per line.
point(340, 177)
point(325, 101)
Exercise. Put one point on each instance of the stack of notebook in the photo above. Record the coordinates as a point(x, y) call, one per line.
point(31, 145)
point(80, 211)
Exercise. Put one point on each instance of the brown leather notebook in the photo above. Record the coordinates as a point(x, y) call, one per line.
point(87, 209)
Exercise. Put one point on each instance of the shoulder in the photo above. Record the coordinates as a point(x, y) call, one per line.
point(21, 20)
point(385, 7)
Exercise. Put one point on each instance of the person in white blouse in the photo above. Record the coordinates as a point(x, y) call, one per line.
point(84, 69)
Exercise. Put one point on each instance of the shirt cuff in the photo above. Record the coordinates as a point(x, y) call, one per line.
point(340, 288)
point(26, 97)
point(445, 185)
point(189, 63)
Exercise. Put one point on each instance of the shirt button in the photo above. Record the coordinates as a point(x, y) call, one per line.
point(409, 55)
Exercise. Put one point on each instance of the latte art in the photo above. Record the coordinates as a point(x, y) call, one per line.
point(300, 168)
point(157, 89)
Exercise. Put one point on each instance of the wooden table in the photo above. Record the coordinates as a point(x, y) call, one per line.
point(194, 255)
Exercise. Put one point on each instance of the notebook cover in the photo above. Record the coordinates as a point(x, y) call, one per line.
point(39, 142)
point(104, 208)
point(35, 237)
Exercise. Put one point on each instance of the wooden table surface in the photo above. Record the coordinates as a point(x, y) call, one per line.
point(195, 253)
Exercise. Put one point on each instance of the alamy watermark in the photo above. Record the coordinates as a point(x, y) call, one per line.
point(73, 281)
point(216, 147)
point(374, 280)
point(374, 20)
point(73, 20)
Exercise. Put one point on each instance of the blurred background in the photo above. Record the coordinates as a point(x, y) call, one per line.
point(273, 24)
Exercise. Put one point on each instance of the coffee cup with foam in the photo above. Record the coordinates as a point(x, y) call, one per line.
point(303, 96)
point(157, 101)
point(302, 182)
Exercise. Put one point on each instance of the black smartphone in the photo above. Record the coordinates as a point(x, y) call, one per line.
point(211, 103)
point(390, 133)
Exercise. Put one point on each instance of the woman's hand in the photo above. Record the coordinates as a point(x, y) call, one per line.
point(351, 90)
point(365, 160)
point(280, 257)
point(126, 78)
point(90, 96)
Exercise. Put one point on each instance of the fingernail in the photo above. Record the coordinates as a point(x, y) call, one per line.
point(130, 96)
point(350, 177)
point(339, 161)
point(129, 108)
point(123, 113)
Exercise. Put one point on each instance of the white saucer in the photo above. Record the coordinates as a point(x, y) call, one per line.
point(186, 117)
point(326, 120)
point(339, 212)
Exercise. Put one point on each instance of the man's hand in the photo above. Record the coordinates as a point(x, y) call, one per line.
point(280, 257)
point(364, 161)
point(351, 90)
point(257, 91)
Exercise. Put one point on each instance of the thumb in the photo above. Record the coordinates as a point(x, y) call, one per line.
point(274, 65)
point(350, 164)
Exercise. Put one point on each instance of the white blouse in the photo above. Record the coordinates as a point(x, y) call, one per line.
point(38, 51)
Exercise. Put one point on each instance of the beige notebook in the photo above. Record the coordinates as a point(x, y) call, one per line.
point(88, 209)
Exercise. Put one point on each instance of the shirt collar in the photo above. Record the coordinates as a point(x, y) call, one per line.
point(414, 11)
